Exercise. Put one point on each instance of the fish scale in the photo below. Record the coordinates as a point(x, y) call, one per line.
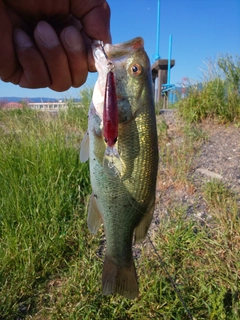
point(123, 195)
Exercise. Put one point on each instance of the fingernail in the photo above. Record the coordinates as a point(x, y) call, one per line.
point(47, 34)
point(72, 39)
point(21, 39)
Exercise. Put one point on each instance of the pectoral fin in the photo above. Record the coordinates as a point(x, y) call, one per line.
point(94, 216)
point(112, 162)
point(84, 150)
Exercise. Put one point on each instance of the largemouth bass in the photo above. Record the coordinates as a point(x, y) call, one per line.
point(123, 186)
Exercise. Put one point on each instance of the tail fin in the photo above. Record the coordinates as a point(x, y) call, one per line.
point(119, 279)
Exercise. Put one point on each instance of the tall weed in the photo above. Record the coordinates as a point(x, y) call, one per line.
point(42, 199)
point(218, 96)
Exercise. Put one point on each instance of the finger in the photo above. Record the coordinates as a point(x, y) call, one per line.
point(34, 73)
point(95, 18)
point(8, 61)
point(75, 49)
point(54, 55)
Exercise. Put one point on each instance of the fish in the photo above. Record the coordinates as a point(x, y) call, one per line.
point(123, 186)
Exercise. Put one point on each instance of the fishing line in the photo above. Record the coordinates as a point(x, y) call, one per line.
point(163, 265)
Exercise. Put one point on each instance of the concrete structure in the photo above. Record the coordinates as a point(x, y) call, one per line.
point(48, 106)
point(160, 72)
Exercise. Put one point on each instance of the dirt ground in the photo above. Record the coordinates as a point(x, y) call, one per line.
point(218, 157)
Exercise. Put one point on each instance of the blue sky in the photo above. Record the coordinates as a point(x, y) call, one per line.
point(201, 30)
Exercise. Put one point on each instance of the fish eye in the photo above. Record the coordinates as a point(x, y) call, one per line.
point(136, 69)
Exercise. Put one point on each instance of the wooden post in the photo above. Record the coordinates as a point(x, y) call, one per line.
point(160, 71)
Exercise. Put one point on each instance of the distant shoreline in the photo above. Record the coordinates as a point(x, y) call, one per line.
point(29, 100)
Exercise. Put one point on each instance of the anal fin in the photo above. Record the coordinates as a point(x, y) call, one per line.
point(141, 230)
point(94, 219)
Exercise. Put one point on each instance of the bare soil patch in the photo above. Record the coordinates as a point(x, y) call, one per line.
point(217, 157)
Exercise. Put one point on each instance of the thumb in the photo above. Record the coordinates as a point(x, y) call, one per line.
point(95, 18)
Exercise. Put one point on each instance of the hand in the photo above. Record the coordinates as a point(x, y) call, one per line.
point(47, 43)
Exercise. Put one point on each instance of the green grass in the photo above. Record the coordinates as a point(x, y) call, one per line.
point(42, 197)
point(219, 97)
point(49, 268)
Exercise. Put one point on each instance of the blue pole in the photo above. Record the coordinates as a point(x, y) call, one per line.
point(157, 56)
point(169, 58)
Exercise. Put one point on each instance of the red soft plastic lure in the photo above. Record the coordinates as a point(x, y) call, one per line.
point(110, 112)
